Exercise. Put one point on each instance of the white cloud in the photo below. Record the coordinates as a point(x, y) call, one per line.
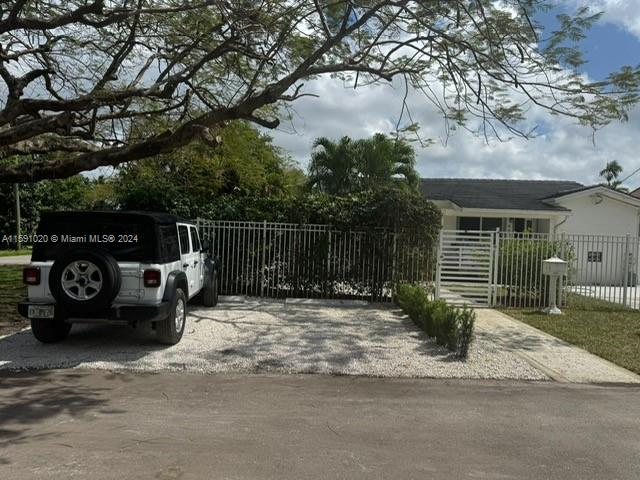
point(565, 151)
point(625, 13)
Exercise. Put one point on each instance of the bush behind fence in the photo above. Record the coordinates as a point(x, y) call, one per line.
point(283, 260)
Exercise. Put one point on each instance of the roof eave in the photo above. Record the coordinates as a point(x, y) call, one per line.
point(598, 189)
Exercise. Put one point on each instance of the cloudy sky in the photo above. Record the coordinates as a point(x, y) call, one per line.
point(564, 151)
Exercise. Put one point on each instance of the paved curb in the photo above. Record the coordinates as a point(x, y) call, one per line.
point(2, 337)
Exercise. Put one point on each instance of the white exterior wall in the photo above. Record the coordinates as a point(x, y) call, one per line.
point(609, 217)
point(449, 222)
point(597, 222)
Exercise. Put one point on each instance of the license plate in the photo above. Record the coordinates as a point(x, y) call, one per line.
point(41, 311)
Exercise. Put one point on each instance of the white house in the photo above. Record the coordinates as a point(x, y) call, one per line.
point(593, 215)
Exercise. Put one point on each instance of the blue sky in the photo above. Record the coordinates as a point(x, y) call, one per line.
point(608, 46)
point(562, 151)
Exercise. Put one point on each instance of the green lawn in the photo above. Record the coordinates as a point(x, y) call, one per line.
point(11, 253)
point(11, 292)
point(600, 327)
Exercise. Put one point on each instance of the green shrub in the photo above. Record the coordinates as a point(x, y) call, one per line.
point(443, 316)
point(452, 327)
point(412, 299)
point(429, 314)
point(466, 323)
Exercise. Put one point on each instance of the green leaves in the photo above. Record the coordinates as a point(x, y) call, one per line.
point(610, 173)
point(186, 182)
point(349, 166)
point(452, 327)
point(194, 66)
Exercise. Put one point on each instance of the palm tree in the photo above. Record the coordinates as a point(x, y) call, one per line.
point(333, 166)
point(383, 161)
point(611, 173)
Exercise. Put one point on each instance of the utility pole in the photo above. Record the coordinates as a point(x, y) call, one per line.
point(16, 198)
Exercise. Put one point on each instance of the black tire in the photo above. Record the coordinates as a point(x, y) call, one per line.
point(167, 331)
point(109, 273)
point(50, 331)
point(210, 292)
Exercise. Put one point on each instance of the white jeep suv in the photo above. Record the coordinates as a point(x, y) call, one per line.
point(116, 267)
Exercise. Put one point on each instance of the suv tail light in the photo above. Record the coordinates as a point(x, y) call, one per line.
point(152, 278)
point(31, 276)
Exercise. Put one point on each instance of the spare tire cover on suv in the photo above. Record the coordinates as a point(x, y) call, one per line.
point(85, 281)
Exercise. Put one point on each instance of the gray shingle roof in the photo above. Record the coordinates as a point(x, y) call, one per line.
point(497, 194)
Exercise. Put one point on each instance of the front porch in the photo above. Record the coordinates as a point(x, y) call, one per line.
point(467, 219)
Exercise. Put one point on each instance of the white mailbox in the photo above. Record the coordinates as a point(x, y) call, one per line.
point(554, 267)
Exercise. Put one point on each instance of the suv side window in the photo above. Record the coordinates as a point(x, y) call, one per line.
point(183, 233)
point(169, 243)
point(195, 241)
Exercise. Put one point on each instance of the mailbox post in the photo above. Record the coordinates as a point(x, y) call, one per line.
point(555, 268)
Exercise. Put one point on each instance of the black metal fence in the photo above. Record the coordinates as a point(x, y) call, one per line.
point(283, 260)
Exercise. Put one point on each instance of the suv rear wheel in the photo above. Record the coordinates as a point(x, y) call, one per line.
point(210, 292)
point(170, 330)
point(50, 331)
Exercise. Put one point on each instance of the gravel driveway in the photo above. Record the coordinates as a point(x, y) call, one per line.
point(272, 337)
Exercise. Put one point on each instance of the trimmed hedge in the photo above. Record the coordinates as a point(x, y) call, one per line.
point(452, 327)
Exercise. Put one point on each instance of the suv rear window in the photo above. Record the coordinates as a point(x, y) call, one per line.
point(169, 245)
point(132, 242)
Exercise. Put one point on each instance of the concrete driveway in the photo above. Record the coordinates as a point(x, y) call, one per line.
point(101, 425)
point(273, 337)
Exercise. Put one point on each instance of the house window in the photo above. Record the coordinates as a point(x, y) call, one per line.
point(491, 224)
point(519, 225)
point(469, 223)
point(594, 257)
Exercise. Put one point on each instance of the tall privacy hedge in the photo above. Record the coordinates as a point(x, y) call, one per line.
point(391, 208)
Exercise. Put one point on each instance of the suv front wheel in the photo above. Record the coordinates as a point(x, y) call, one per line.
point(170, 330)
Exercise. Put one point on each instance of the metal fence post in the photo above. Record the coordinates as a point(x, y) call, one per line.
point(496, 260)
point(625, 271)
point(328, 272)
point(561, 289)
point(438, 266)
point(393, 265)
point(264, 257)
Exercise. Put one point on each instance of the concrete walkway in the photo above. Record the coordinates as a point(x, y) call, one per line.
point(15, 260)
point(558, 359)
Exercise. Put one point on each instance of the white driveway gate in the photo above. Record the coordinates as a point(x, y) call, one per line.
point(465, 272)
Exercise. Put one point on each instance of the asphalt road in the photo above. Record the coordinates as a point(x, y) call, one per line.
point(82, 424)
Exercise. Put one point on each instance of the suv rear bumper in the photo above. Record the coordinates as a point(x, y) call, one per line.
point(116, 314)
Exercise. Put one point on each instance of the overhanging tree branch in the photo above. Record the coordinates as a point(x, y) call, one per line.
point(95, 79)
